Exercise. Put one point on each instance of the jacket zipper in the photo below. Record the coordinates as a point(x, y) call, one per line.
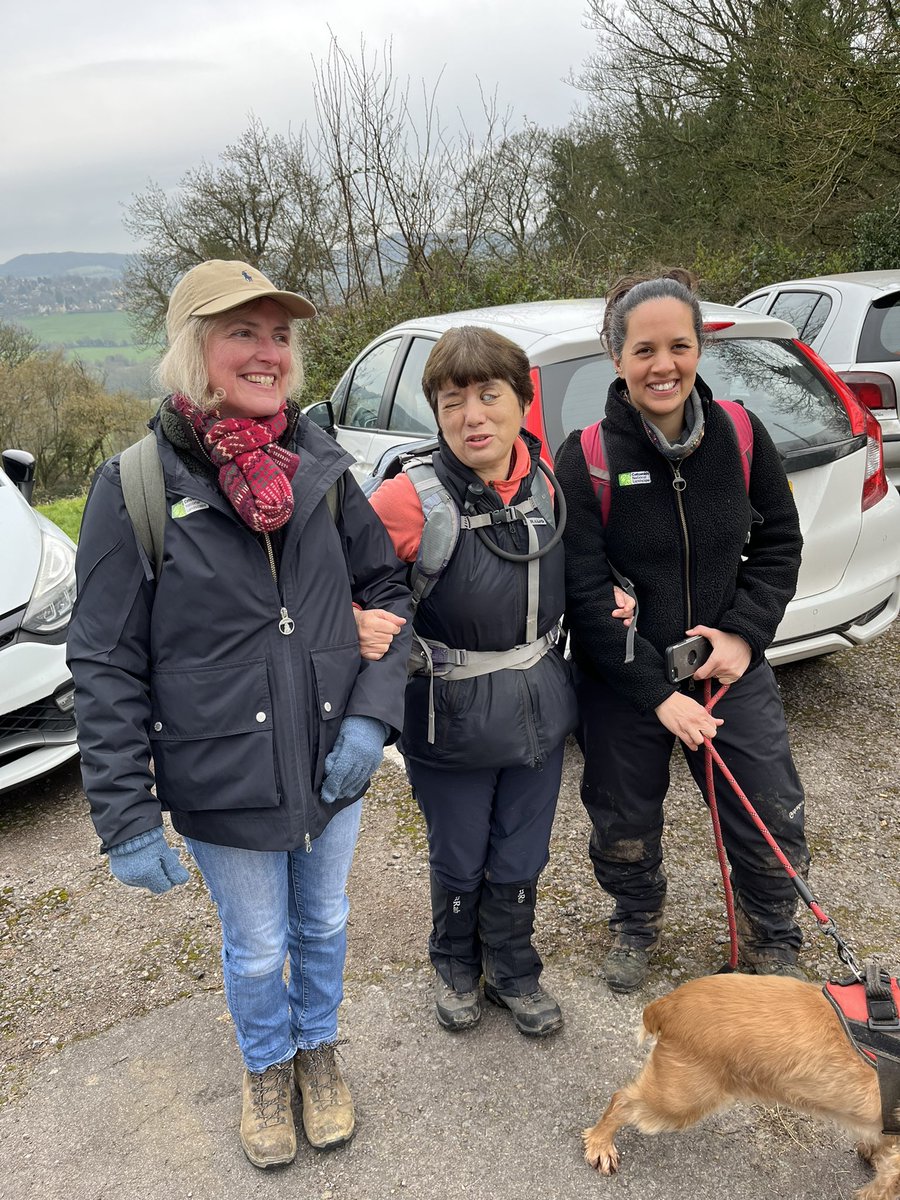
point(528, 710)
point(285, 627)
point(679, 483)
point(286, 623)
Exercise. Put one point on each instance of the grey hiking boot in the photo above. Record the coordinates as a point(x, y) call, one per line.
point(536, 1014)
point(328, 1116)
point(766, 948)
point(267, 1123)
point(757, 962)
point(626, 967)
point(455, 1010)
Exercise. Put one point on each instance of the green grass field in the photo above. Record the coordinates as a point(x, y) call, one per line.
point(66, 514)
point(113, 329)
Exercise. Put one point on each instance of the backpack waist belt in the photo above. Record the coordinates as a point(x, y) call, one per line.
point(433, 658)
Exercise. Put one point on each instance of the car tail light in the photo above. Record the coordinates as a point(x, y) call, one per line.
point(534, 418)
point(715, 326)
point(875, 484)
point(871, 388)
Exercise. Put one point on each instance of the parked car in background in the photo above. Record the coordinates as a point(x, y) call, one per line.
point(852, 322)
point(849, 586)
point(37, 591)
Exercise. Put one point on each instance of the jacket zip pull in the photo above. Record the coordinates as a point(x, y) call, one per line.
point(286, 623)
point(679, 483)
point(308, 845)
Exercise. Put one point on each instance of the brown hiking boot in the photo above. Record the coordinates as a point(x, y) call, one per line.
point(328, 1117)
point(267, 1123)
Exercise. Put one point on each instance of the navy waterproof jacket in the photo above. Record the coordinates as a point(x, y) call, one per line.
point(194, 670)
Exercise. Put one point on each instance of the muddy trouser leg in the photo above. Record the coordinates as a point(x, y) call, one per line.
point(754, 746)
point(625, 780)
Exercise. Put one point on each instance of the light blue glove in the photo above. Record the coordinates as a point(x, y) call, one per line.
point(147, 860)
point(356, 755)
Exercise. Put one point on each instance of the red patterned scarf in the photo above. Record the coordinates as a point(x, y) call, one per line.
point(255, 471)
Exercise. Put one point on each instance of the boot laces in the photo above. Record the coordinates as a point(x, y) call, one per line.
point(270, 1091)
point(320, 1067)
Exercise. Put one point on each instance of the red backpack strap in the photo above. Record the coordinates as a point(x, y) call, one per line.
point(740, 419)
point(594, 450)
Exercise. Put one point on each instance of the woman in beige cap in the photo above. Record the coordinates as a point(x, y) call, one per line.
point(232, 661)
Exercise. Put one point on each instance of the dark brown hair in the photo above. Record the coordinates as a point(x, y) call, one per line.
point(627, 293)
point(473, 354)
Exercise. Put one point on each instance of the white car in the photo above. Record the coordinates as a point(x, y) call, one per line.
point(849, 586)
point(853, 322)
point(37, 592)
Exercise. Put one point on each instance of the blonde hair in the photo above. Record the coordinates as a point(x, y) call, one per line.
point(183, 367)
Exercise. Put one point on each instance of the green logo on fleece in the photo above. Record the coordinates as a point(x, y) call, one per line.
point(627, 478)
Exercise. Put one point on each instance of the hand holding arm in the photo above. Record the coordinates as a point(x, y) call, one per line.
point(625, 606)
point(376, 629)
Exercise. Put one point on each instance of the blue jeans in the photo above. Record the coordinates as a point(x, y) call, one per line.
point(278, 905)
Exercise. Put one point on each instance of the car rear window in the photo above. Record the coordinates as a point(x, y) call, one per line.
point(880, 337)
point(771, 378)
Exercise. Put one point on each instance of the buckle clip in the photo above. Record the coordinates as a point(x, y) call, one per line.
point(888, 1023)
point(503, 516)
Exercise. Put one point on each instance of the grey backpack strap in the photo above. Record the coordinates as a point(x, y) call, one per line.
point(144, 492)
point(540, 493)
point(441, 529)
point(334, 497)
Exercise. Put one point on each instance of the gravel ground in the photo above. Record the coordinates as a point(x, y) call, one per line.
point(80, 953)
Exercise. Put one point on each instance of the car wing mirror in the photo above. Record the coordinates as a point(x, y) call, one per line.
point(322, 414)
point(19, 466)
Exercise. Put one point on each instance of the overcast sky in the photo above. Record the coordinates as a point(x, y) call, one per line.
point(102, 97)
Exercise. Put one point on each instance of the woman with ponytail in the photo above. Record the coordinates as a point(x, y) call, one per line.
point(712, 550)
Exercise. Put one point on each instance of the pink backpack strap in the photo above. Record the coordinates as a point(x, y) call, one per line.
point(594, 450)
point(744, 430)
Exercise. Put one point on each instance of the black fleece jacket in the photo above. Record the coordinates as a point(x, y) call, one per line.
point(682, 550)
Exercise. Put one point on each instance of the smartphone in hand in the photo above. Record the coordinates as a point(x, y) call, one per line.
point(683, 658)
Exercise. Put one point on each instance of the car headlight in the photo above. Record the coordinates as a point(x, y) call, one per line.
point(53, 597)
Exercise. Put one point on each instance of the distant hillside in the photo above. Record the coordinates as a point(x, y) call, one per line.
point(33, 266)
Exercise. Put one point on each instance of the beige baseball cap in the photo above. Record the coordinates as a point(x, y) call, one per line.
point(221, 284)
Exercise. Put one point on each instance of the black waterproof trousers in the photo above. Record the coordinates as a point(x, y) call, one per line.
point(626, 777)
point(488, 841)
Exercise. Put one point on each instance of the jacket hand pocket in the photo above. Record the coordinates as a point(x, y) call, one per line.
point(212, 736)
point(334, 671)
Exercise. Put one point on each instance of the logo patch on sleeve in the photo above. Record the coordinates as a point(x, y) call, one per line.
point(186, 506)
point(627, 478)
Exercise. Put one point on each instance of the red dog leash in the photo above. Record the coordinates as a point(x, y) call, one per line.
point(826, 924)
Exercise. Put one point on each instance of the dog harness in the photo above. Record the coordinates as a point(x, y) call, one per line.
point(868, 1012)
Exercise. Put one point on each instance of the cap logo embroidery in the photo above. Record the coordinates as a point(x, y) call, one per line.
point(247, 276)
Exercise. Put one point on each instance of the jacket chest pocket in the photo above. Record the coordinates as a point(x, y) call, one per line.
point(212, 734)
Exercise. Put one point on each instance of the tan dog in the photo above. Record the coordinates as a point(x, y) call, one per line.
point(755, 1039)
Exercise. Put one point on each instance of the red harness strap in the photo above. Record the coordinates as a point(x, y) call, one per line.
point(871, 1023)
